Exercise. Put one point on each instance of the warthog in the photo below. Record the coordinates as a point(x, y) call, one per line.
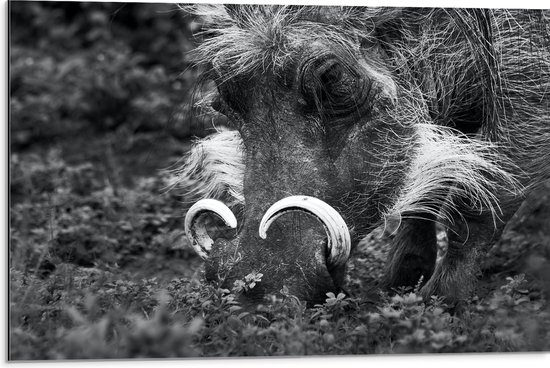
point(342, 118)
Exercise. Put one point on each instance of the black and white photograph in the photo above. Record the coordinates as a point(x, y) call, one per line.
point(204, 180)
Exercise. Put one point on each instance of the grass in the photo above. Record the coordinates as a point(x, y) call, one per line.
point(99, 268)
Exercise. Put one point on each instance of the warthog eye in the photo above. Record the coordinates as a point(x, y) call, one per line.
point(332, 88)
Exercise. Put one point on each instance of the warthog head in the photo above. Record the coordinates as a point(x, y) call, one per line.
point(340, 119)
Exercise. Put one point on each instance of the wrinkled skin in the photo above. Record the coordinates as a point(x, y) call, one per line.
point(333, 124)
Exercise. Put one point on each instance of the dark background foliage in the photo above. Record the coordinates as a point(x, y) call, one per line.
point(86, 68)
point(100, 102)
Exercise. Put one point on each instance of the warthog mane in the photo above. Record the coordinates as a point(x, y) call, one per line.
point(489, 61)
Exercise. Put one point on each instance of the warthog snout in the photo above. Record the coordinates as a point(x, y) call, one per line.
point(310, 233)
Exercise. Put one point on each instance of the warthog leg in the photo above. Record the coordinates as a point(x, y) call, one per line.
point(469, 240)
point(412, 254)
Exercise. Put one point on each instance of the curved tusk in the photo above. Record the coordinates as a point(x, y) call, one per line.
point(339, 240)
point(194, 223)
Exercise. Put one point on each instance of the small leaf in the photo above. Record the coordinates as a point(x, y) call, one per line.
point(235, 308)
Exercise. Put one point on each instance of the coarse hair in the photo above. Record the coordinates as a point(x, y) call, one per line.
point(485, 72)
point(213, 168)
